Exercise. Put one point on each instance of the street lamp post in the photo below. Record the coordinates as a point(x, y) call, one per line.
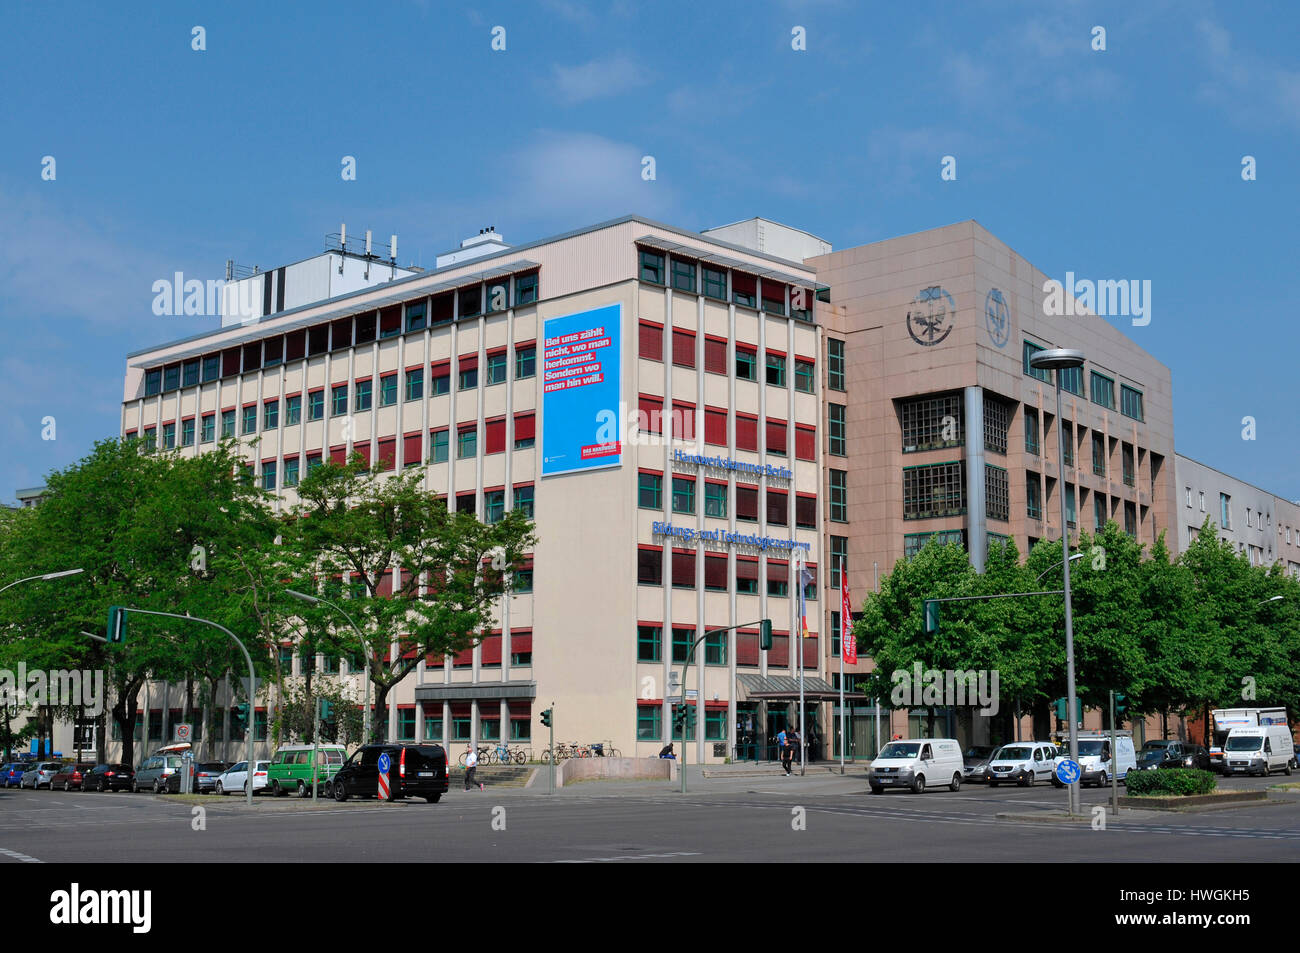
point(46, 576)
point(365, 712)
point(1063, 359)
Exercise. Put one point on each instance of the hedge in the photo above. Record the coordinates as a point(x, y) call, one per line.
point(1176, 782)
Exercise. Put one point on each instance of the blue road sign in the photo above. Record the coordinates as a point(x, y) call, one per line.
point(384, 763)
point(1067, 771)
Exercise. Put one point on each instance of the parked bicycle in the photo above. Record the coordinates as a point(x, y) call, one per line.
point(485, 756)
point(604, 749)
point(504, 754)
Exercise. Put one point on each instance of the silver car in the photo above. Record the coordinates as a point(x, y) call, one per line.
point(153, 774)
point(40, 774)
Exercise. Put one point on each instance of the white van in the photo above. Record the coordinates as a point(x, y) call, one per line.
point(915, 763)
point(1023, 762)
point(1096, 766)
point(1258, 750)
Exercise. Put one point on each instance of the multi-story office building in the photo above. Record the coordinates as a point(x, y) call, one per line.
point(937, 426)
point(1263, 527)
point(675, 486)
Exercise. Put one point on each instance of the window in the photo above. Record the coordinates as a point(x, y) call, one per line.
point(715, 283)
point(290, 471)
point(836, 429)
point(465, 503)
point(744, 289)
point(525, 361)
point(932, 423)
point(415, 318)
point(778, 579)
point(715, 355)
point(683, 348)
point(650, 341)
point(773, 298)
point(440, 379)
point(316, 405)
point(498, 296)
point(652, 267)
point(169, 436)
point(293, 410)
point(746, 363)
point(468, 368)
point(839, 559)
point(805, 511)
point(650, 566)
point(1099, 458)
point(388, 390)
point(1067, 443)
point(471, 301)
point(211, 367)
point(805, 376)
point(683, 566)
point(715, 572)
point(1033, 497)
point(438, 444)
point(1072, 379)
point(684, 276)
point(524, 583)
point(250, 419)
point(777, 507)
point(526, 289)
point(715, 427)
point(650, 414)
point(649, 643)
point(494, 435)
point(937, 489)
point(996, 493)
point(339, 400)
point(1099, 510)
point(747, 503)
point(1031, 431)
point(227, 424)
point(268, 475)
point(494, 506)
point(715, 500)
point(746, 432)
point(1071, 515)
point(683, 494)
point(997, 421)
point(775, 369)
point(1130, 519)
point(747, 576)
point(189, 373)
point(522, 499)
point(649, 723)
point(1130, 402)
point(467, 442)
point(1225, 511)
point(835, 364)
point(187, 432)
point(1126, 459)
point(1201, 494)
point(1030, 350)
point(776, 437)
point(525, 430)
point(171, 377)
point(270, 414)
point(497, 365)
point(415, 383)
point(1103, 390)
point(208, 433)
point(152, 382)
point(839, 490)
point(364, 394)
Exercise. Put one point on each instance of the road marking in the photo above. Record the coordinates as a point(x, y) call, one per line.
point(601, 860)
point(21, 857)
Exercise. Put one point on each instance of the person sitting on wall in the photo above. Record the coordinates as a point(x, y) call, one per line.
point(667, 752)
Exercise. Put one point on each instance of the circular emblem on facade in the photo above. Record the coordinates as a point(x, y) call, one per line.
point(931, 317)
point(997, 317)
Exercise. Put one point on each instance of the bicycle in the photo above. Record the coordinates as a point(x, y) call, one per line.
point(605, 749)
point(484, 756)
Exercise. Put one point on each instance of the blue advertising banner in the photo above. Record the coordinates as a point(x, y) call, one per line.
point(582, 360)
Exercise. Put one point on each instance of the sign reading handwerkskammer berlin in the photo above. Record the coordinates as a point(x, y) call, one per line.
point(728, 463)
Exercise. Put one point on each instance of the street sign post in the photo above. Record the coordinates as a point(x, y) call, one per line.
point(1067, 771)
point(384, 764)
point(184, 732)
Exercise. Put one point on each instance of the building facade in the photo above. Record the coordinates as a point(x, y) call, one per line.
point(1260, 525)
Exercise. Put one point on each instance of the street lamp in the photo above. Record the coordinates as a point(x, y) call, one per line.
point(317, 600)
point(1268, 600)
point(1050, 568)
point(47, 576)
point(1062, 359)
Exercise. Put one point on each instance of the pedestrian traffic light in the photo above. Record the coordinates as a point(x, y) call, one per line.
point(1121, 704)
point(116, 624)
point(932, 618)
point(326, 710)
point(765, 634)
point(681, 717)
point(546, 717)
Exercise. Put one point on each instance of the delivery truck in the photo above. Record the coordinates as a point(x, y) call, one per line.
point(1225, 719)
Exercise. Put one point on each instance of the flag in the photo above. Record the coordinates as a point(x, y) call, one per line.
point(848, 641)
point(805, 580)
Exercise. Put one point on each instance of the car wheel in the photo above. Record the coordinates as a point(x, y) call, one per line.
point(433, 798)
point(340, 792)
point(159, 787)
point(877, 789)
point(1026, 779)
point(1102, 780)
point(918, 785)
point(101, 786)
point(220, 790)
point(67, 786)
point(956, 782)
point(1287, 769)
point(303, 790)
point(135, 786)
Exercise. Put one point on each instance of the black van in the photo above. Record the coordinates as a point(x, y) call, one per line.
point(414, 771)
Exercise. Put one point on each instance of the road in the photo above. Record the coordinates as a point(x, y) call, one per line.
point(737, 819)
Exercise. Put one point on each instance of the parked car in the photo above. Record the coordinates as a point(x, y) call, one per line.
point(109, 777)
point(1259, 750)
point(915, 763)
point(1023, 762)
point(975, 761)
point(234, 778)
point(1096, 765)
point(11, 775)
point(39, 773)
point(1188, 755)
point(71, 776)
point(418, 770)
point(204, 780)
point(153, 774)
point(291, 769)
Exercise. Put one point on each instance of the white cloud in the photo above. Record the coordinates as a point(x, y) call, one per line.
point(610, 76)
point(1247, 85)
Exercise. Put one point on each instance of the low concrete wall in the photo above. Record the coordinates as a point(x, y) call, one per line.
point(627, 769)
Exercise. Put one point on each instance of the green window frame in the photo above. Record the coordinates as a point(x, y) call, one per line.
point(839, 559)
point(523, 581)
point(406, 724)
point(1030, 349)
point(649, 643)
point(290, 471)
point(650, 491)
point(227, 424)
point(415, 316)
point(433, 728)
point(169, 436)
point(269, 475)
point(497, 368)
point(715, 283)
point(415, 384)
point(839, 495)
point(805, 376)
point(316, 405)
point(684, 276)
point(1103, 390)
point(1130, 402)
point(208, 432)
point(715, 648)
point(187, 432)
point(522, 499)
point(270, 414)
point(1033, 497)
point(715, 500)
point(649, 723)
point(439, 444)
point(440, 384)
point(746, 365)
point(1072, 380)
point(467, 443)
point(364, 395)
point(652, 267)
point(293, 410)
point(388, 390)
point(684, 495)
point(249, 424)
point(775, 369)
point(683, 639)
point(1098, 454)
point(1031, 431)
point(469, 378)
point(526, 289)
point(835, 364)
point(836, 430)
point(525, 362)
point(339, 400)
point(715, 724)
point(494, 506)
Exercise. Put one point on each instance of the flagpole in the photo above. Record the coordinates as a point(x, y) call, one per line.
point(803, 616)
point(844, 627)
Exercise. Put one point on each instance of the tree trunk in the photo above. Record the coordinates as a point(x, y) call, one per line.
point(379, 720)
point(1164, 723)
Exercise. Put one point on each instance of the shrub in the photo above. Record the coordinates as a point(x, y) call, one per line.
point(1175, 782)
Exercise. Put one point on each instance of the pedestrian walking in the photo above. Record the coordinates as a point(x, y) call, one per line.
point(784, 748)
point(471, 766)
point(795, 742)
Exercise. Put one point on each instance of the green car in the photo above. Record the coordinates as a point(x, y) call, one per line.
point(291, 770)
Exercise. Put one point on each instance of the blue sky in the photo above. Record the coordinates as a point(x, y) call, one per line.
point(1124, 163)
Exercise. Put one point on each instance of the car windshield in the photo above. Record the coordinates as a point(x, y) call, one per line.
point(903, 750)
point(1012, 753)
point(1090, 748)
point(978, 752)
point(1244, 743)
point(1156, 745)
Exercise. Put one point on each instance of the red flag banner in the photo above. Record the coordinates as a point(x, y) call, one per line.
point(849, 644)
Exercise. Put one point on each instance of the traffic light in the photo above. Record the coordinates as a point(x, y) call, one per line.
point(326, 710)
point(1059, 705)
point(690, 717)
point(1121, 704)
point(765, 634)
point(116, 624)
point(546, 717)
point(683, 718)
point(932, 619)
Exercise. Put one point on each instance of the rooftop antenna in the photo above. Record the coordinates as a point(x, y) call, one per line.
point(343, 244)
point(368, 255)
